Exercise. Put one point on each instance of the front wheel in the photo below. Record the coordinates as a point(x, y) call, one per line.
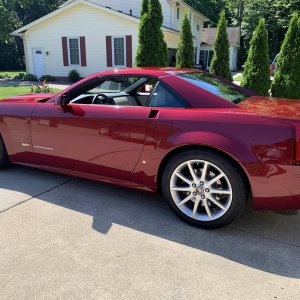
point(204, 189)
point(4, 160)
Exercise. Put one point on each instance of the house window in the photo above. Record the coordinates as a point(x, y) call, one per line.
point(206, 58)
point(191, 18)
point(198, 27)
point(74, 51)
point(178, 13)
point(119, 53)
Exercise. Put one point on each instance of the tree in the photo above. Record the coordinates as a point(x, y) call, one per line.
point(220, 61)
point(14, 14)
point(287, 75)
point(256, 76)
point(185, 50)
point(152, 49)
point(145, 6)
point(210, 8)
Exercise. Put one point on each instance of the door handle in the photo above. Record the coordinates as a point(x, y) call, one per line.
point(154, 114)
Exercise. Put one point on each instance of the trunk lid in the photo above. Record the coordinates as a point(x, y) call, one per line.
point(275, 107)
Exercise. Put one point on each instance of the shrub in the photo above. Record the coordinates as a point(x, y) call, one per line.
point(74, 76)
point(152, 48)
point(48, 78)
point(220, 61)
point(20, 76)
point(41, 88)
point(30, 77)
point(185, 51)
point(256, 75)
point(287, 76)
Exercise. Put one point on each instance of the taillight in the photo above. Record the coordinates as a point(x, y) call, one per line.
point(298, 143)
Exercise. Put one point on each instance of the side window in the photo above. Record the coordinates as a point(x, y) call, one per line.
point(163, 97)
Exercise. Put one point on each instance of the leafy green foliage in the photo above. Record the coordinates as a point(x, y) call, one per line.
point(40, 88)
point(257, 74)
point(74, 76)
point(19, 76)
point(144, 9)
point(152, 49)
point(220, 61)
point(48, 78)
point(14, 14)
point(210, 8)
point(30, 77)
point(287, 75)
point(185, 50)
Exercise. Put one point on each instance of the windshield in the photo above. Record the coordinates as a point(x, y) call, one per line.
point(215, 86)
point(115, 85)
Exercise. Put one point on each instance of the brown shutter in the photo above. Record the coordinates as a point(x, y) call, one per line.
point(109, 51)
point(64, 41)
point(83, 51)
point(129, 51)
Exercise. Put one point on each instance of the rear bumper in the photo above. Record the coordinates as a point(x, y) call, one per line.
point(276, 187)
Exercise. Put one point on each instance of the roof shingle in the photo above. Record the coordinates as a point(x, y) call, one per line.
point(209, 34)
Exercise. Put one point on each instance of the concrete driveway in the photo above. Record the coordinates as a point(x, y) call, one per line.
point(66, 238)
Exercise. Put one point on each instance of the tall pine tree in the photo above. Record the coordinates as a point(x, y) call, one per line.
point(287, 75)
point(185, 50)
point(256, 76)
point(145, 7)
point(220, 61)
point(152, 49)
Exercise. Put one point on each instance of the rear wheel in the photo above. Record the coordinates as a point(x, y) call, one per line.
point(4, 161)
point(204, 189)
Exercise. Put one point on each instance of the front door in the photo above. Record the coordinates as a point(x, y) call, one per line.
point(97, 139)
point(38, 62)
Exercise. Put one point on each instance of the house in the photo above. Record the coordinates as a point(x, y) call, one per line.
point(95, 35)
point(207, 46)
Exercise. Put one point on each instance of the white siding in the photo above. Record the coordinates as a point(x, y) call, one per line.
point(233, 50)
point(79, 20)
point(196, 19)
point(135, 6)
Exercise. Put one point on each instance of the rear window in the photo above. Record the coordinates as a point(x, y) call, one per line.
point(215, 86)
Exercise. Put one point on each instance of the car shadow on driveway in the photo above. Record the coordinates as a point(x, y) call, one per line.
point(265, 241)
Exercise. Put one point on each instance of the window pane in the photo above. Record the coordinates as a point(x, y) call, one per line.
point(215, 86)
point(74, 51)
point(164, 98)
point(119, 49)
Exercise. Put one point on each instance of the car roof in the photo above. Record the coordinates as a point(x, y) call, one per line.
point(157, 72)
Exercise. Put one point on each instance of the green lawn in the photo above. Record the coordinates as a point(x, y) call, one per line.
point(10, 91)
point(238, 78)
point(11, 73)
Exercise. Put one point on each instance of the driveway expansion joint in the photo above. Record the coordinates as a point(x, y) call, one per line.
point(265, 237)
point(37, 195)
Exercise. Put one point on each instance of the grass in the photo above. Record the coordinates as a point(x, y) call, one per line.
point(239, 77)
point(11, 91)
point(11, 73)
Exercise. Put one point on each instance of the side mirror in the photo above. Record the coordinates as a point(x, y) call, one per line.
point(62, 102)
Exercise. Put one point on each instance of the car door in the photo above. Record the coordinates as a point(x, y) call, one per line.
point(97, 139)
point(100, 139)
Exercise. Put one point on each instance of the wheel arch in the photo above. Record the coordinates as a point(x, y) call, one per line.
point(184, 148)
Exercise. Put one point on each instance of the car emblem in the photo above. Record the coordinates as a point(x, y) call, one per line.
point(200, 190)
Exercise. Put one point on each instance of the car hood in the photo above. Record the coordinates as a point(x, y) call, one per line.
point(31, 98)
point(276, 107)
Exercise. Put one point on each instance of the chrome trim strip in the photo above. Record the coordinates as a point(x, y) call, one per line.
point(44, 148)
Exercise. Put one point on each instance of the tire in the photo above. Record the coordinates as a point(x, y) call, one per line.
point(4, 160)
point(207, 201)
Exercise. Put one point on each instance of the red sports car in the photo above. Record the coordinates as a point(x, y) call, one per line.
point(206, 144)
